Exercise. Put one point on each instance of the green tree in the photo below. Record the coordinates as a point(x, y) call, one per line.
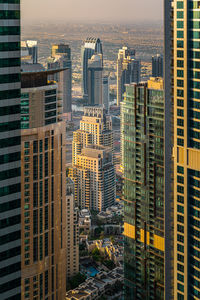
point(76, 280)
point(96, 255)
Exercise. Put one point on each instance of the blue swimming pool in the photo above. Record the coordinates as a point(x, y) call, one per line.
point(91, 271)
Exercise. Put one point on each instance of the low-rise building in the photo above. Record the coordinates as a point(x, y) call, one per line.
point(107, 248)
point(85, 221)
point(96, 287)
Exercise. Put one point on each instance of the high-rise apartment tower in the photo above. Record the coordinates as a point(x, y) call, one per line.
point(186, 57)
point(142, 136)
point(95, 129)
point(43, 186)
point(92, 160)
point(94, 177)
point(10, 186)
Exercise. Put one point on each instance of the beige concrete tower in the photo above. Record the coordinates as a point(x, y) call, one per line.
point(94, 177)
point(95, 129)
point(43, 217)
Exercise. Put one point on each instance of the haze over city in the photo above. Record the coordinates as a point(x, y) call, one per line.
point(91, 11)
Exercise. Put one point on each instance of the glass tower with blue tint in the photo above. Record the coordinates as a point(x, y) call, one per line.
point(91, 46)
point(10, 219)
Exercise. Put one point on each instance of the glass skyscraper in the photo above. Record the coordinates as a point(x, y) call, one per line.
point(91, 46)
point(10, 219)
point(186, 55)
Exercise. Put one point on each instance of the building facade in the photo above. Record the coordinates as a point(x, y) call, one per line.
point(94, 177)
point(72, 231)
point(128, 70)
point(43, 179)
point(61, 59)
point(95, 80)
point(157, 66)
point(186, 89)
point(91, 46)
point(142, 137)
point(10, 157)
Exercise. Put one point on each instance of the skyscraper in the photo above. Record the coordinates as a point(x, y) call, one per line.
point(94, 177)
point(61, 58)
point(186, 54)
point(43, 201)
point(128, 70)
point(10, 186)
point(142, 138)
point(92, 169)
point(157, 66)
point(91, 46)
point(95, 83)
point(95, 129)
point(169, 205)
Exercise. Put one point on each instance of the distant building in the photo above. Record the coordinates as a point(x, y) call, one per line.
point(91, 46)
point(95, 129)
point(95, 83)
point(106, 92)
point(94, 177)
point(128, 70)
point(72, 231)
point(157, 66)
point(29, 51)
point(61, 58)
point(43, 212)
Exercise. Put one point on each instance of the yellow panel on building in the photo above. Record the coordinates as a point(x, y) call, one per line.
point(159, 242)
point(129, 230)
point(194, 159)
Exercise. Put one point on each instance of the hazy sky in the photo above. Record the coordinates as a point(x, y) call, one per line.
point(91, 10)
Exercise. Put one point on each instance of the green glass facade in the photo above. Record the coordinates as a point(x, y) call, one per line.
point(10, 198)
point(142, 137)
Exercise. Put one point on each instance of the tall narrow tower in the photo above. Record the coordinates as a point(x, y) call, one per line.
point(186, 149)
point(10, 186)
point(95, 83)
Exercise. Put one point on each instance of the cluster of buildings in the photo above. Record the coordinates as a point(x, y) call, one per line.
point(99, 286)
point(113, 251)
point(111, 212)
point(160, 142)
